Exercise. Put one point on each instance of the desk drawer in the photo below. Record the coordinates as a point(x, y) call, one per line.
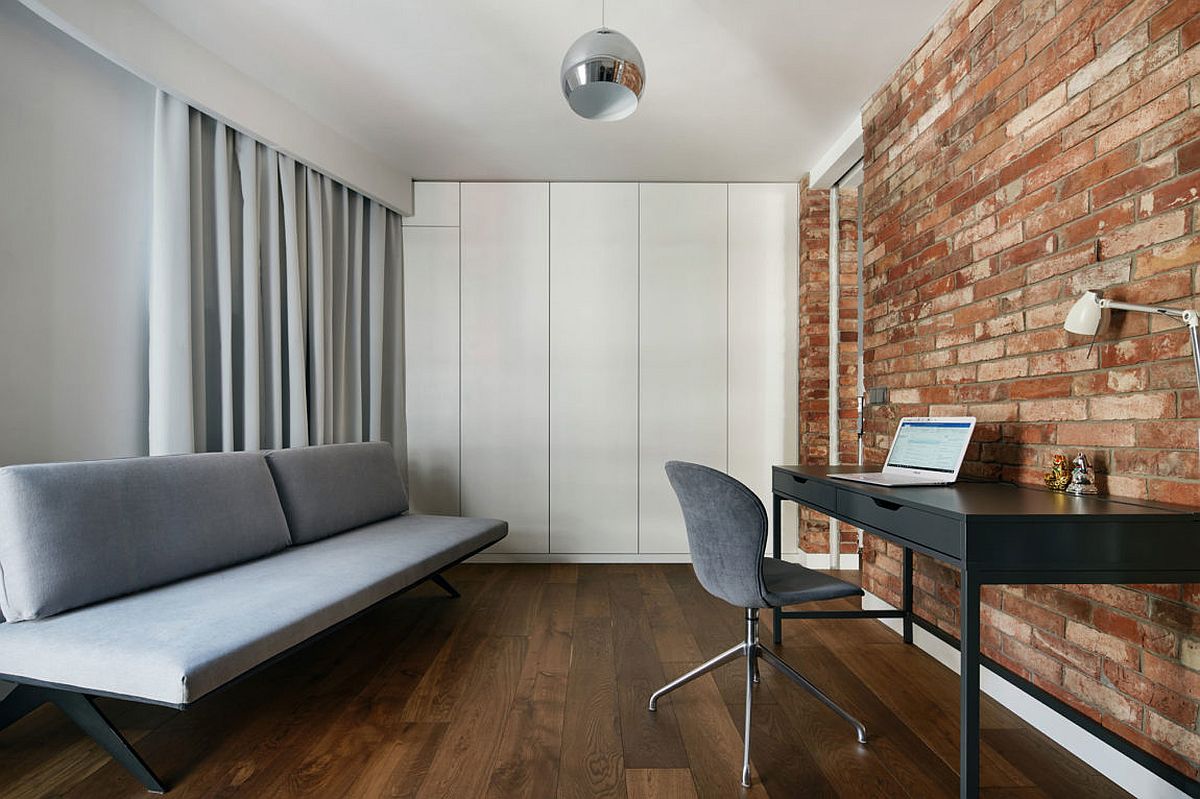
point(806, 489)
point(919, 526)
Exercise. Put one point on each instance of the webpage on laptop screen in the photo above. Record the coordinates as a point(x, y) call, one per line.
point(934, 446)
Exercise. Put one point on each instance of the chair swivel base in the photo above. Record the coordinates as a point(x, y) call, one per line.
point(752, 650)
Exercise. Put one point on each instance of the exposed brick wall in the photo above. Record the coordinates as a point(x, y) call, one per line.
point(814, 348)
point(1027, 150)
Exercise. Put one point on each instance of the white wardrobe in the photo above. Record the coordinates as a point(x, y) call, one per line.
point(564, 340)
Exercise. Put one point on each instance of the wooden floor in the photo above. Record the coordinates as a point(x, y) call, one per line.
point(535, 684)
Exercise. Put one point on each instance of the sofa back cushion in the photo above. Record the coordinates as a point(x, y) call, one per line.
point(72, 534)
point(332, 488)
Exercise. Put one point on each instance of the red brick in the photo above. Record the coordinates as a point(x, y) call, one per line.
point(1066, 652)
point(1189, 157)
point(1148, 636)
point(1115, 596)
point(1094, 171)
point(1113, 434)
point(1034, 614)
point(1097, 224)
point(1032, 660)
point(1135, 180)
point(1106, 700)
point(1190, 35)
point(1184, 128)
point(1171, 17)
point(1143, 234)
point(1171, 674)
point(1145, 118)
point(1172, 255)
point(1174, 706)
point(1173, 195)
point(1186, 742)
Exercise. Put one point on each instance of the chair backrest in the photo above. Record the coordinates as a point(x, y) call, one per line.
point(727, 532)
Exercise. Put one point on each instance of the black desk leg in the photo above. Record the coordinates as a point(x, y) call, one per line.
point(907, 599)
point(777, 551)
point(968, 735)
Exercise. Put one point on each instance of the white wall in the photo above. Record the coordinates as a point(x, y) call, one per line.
point(75, 179)
point(137, 39)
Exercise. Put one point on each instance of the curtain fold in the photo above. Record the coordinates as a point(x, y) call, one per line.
point(274, 298)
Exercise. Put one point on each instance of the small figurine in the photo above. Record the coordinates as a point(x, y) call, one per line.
point(1057, 478)
point(1083, 477)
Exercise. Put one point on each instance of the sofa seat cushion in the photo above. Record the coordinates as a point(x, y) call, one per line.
point(330, 488)
point(174, 644)
point(76, 533)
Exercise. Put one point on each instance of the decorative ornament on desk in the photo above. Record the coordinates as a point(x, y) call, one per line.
point(1059, 475)
point(1083, 477)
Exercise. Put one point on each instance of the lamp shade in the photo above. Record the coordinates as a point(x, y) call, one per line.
point(1085, 315)
point(603, 75)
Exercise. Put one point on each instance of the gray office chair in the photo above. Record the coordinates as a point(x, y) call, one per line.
point(727, 535)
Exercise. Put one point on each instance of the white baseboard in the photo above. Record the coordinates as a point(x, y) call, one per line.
point(823, 560)
point(1121, 769)
point(804, 559)
point(577, 557)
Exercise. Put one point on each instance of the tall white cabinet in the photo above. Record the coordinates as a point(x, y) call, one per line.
point(564, 340)
point(593, 368)
point(683, 348)
point(505, 360)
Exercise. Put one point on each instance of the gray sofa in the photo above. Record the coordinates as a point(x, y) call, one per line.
point(162, 579)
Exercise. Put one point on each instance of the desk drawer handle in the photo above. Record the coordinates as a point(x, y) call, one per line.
point(799, 479)
point(883, 503)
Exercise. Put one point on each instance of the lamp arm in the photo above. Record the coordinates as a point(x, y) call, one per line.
point(1188, 316)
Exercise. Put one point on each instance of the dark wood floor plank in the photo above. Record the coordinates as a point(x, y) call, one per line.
point(441, 686)
point(914, 766)
point(655, 783)
point(591, 763)
point(528, 753)
point(648, 740)
point(889, 670)
point(462, 764)
point(1059, 774)
point(340, 751)
point(396, 769)
point(672, 636)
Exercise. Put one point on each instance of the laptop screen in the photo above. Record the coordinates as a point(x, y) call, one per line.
point(934, 446)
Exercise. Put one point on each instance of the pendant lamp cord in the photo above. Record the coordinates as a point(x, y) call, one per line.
point(602, 13)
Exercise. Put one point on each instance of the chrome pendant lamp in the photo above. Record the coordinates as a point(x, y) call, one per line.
point(603, 75)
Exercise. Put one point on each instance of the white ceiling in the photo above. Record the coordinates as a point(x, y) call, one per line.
point(468, 89)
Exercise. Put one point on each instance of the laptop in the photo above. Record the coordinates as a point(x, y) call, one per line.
point(927, 451)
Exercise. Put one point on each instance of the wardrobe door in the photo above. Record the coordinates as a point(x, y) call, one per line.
point(505, 359)
point(682, 414)
point(431, 367)
point(593, 367)
point(763, 380)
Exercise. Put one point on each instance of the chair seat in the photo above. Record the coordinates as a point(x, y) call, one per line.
point(792, 584)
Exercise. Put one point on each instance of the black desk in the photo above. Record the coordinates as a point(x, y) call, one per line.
point(996, 533)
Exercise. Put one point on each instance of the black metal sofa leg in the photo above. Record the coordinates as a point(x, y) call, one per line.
point(444, 584)
point(19, 703)
point(83, 711)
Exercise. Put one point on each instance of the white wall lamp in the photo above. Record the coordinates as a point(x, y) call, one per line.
point(1089, 315)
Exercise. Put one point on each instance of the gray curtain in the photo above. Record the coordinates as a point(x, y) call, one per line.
point(275, 298)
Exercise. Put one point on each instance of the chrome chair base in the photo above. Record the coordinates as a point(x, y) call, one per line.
point(752, 650)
